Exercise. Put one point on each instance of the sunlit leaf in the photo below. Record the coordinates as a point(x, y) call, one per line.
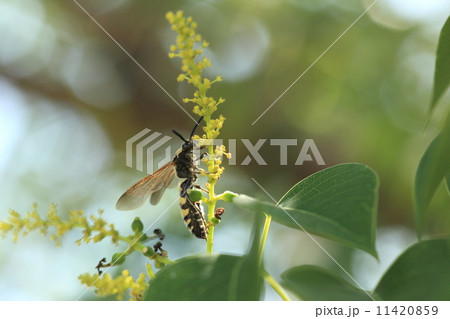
point(442, 66)
point(420, 273)
point(433, 167)
point(338, 203)
point(316, 284)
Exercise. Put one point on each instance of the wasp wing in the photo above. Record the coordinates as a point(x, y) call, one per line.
point(156, 196)
point(156, 183)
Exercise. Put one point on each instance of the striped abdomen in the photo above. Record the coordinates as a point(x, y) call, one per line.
point(192, 213)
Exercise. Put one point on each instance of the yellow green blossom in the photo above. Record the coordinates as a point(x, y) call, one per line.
point(95, 228)
point(118, 286)
point(189, 47)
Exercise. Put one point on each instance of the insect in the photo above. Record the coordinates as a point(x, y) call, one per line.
point(154, 185)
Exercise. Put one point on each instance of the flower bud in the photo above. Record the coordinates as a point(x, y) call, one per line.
point(148, 252)
point(137, 225)
point(118, 258)
point(195, 195)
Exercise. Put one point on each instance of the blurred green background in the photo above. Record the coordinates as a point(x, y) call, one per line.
point(70, 98)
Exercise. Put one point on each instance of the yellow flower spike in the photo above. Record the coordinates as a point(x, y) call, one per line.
point(180, 78)
point(170, 16)
point(206, 83)
point(200, 65)
point(197, 110)
point(55, 228)
point(206, 62)
point(118, 286)
point(189, 45)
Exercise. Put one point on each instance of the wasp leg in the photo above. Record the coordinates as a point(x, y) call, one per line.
point(202, 156)
point(201, 188)
point(200, 171)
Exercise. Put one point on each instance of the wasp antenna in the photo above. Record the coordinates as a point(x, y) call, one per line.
point(195, 127)
point(179, 135)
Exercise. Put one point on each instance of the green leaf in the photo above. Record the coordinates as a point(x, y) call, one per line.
point(447, 182)
point(208, 277)
point(338, 203)
point(422, 272)
point(211, 277)
point(249, 281)
point(442, 66)
point(433, 167)
point(317, 284)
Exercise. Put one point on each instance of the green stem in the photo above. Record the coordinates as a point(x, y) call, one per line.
point(264, 236)
point(212, 199)
point(136, 245)
point(276, 286)
point(150, 272)
point(211, 209)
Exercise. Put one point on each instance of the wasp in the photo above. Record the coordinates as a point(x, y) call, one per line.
point(154, 185)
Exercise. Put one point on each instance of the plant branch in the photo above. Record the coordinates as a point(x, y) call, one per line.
point(264, 235)
point(276, 286)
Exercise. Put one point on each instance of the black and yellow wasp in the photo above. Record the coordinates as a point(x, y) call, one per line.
point(154, 185)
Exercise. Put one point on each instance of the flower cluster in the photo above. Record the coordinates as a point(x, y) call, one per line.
point(118, 286)
point(95, 228)
point(189, 47)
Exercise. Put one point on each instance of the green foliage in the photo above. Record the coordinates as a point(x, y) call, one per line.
point(314, 283)
point(210, 277)
point(435, 164)
point(198, 278)
point(433, 168)
point(338, 203)
point(420, 273)
point(447, 179)
point(442, 69)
